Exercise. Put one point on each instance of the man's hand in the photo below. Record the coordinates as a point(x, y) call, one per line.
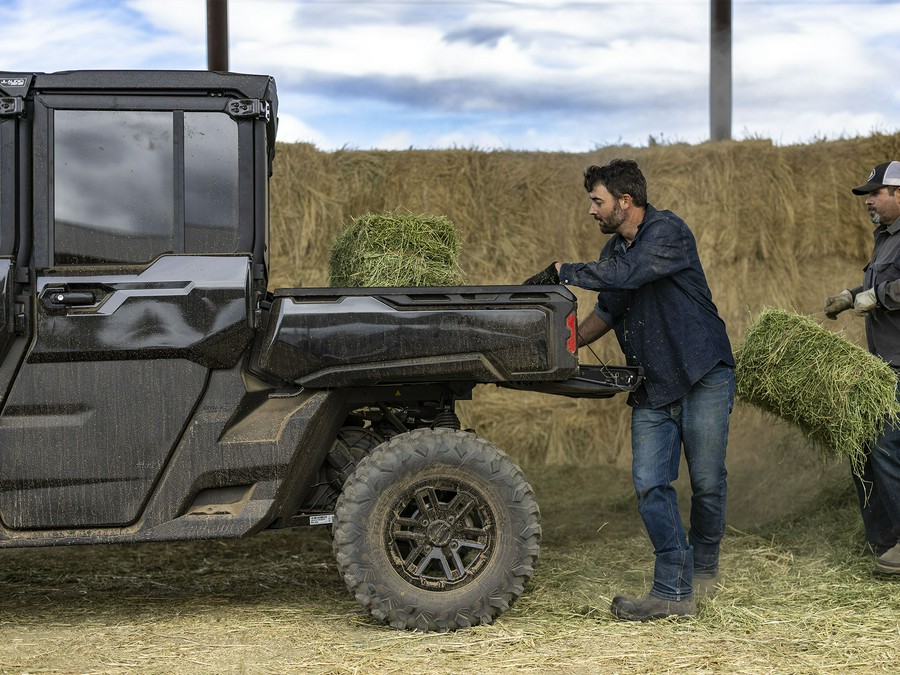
point(865, 302)
point(838, 303)
point(548, 275)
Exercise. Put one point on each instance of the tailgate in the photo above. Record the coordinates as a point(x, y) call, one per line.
point(592, 381)
point(330, 337)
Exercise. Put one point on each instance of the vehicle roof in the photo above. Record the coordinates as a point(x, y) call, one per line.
point(252, 86)
point(241, 85)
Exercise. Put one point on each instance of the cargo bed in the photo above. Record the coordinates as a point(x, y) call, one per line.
point(328, 337)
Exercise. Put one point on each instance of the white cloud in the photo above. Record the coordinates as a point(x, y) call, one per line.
point(394, 140)
point(291, 129)
point(530, 74)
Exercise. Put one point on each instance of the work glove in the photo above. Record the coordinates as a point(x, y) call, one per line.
point(865, 302)
point(548, 275)
point(838, 303)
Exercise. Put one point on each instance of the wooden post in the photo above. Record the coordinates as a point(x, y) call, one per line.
point(217, 34)
point(720, 70)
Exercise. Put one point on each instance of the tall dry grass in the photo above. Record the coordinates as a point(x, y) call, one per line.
point(774, 225)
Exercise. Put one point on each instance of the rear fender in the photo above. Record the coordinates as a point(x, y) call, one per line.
point(272, 445)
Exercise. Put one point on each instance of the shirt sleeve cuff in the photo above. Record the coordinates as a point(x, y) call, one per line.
point(604, 316)
point(564, 270)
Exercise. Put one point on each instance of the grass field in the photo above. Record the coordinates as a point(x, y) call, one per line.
point(799, 596)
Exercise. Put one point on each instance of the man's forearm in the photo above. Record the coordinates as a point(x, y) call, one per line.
point(591, 328)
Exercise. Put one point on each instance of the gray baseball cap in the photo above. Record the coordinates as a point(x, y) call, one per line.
point(883, 174)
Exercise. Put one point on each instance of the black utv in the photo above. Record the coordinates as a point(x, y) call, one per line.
point(153, 388)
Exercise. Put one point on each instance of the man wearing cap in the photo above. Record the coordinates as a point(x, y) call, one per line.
point(878, 300)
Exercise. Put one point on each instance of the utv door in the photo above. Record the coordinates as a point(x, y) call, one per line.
point(142, 273)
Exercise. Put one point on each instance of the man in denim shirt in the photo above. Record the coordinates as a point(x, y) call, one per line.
point(653, 293)
point(878, 299)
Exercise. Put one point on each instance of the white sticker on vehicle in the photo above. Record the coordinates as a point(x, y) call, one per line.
point(321, 520)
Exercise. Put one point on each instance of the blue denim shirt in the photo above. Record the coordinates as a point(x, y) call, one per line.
point(655, 296)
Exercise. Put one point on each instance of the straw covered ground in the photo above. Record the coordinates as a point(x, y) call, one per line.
point(799, 596)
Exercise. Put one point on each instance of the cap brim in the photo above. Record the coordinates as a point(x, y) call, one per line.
point(867, 188)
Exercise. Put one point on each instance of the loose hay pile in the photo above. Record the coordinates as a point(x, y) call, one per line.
point(396, 249)
point(836, 392)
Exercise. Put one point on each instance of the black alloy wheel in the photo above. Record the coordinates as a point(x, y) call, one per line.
point(437, 530)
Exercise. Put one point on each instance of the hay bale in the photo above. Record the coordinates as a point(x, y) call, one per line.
point(396, 249)
point(837, 393)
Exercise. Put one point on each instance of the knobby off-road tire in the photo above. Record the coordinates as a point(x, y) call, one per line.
point(351, 445)
point(437, 530)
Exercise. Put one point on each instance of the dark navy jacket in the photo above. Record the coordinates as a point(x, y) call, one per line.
point(883, 274)
point(655, 295)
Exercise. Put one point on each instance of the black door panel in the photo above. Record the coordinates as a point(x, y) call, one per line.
point(82, 443)
point(116, 367)
point(192, 307)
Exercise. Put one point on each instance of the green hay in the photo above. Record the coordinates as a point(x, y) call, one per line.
point(396, 249)
point(837, 393)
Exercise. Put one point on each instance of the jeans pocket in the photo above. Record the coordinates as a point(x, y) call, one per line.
point(716, 385)
point(717, 378)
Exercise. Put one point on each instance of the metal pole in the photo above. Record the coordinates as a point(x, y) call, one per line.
point(720, 70)
point(217, 34)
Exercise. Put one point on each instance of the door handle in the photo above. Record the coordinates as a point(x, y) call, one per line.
point(56, 298)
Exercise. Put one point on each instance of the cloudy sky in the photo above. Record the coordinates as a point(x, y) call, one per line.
point(510, 74)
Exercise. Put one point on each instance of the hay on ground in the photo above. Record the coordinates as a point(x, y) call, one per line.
point(396, 249)
point(835, 391)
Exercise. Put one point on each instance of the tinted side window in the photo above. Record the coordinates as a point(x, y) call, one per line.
point(113, 186)
point(211, 215)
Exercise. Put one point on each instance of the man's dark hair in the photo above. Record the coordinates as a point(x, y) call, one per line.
point(620, 177)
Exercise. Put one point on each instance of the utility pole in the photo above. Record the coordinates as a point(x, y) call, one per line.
point(217, 34)
point(720, 70)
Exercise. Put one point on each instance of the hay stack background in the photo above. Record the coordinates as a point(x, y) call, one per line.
point(775, 226)
point(396, 248)
point(836, 392)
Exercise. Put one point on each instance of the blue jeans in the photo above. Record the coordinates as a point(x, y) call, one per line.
point(699, 423)
point(879, 489)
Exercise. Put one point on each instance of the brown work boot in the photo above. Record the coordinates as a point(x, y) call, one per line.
point(889, 561)
point(705, 585)
point(649, 607)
